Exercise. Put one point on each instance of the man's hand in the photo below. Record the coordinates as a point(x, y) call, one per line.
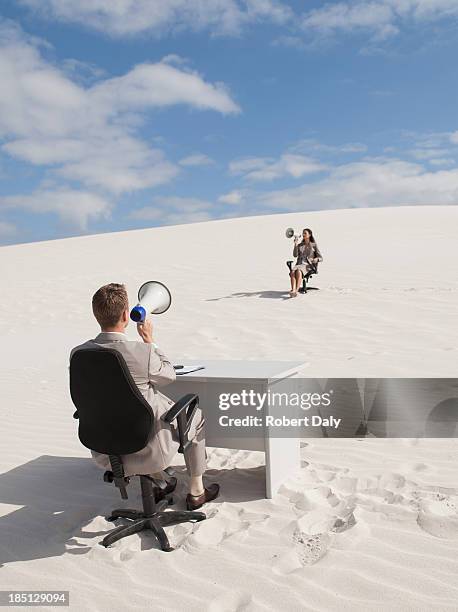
point(145, 331)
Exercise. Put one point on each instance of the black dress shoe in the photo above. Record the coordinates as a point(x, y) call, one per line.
point(193, 502)
point(160, 494)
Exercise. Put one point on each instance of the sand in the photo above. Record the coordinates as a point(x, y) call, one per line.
point(367, 524)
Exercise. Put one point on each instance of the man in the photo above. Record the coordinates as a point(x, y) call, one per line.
point(150, 370)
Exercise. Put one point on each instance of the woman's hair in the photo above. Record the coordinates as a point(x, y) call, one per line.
point(306, 229)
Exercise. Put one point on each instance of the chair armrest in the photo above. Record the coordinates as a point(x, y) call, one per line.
point(289, 263)
point(314, 266)
point(183, 411)
point(179, 406)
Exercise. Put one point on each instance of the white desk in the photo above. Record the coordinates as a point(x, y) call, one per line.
point(282, 454)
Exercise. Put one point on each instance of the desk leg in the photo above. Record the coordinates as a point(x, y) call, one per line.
point(282, 461)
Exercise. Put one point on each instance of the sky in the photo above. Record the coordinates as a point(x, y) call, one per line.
point(125, 114)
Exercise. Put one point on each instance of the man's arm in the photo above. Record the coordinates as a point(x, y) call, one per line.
point(160, 370)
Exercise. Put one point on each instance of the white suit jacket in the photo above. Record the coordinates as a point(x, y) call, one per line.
point(150, 370)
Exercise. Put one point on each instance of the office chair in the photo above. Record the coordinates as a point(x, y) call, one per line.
point(306, 277)
point(115, 419)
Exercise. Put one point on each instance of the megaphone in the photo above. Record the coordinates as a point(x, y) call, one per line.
point(153, 298)
point(290, 233)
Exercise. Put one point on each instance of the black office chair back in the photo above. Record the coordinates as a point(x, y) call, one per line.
point(114, 417)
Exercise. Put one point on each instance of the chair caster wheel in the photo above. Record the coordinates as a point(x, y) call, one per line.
point(110, 519)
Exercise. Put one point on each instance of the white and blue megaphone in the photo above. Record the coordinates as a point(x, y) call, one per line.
point(153, 298)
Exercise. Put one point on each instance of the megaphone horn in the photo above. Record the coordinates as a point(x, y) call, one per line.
point(289, 232)
point(153, 298)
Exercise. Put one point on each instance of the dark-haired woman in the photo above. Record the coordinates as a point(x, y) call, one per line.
point(307, 253)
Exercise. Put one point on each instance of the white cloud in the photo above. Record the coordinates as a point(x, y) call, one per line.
point(268, 169)
point(349, 16)
point(370, 183)
point(7, 229)
point(311, 145)
point(157, 85)
point(175, 59)
point(110, 161)
point(233, 198)
point(88, 134)
point(175, 209)
point(381, 18)
point(428, 153)
point(429, 140)
point(128, 17)
point(82, 71)
point(442, 161)
point(438, 149)
point(74, 207)
point(197, 159)
point(38, 99)
point(287, 40)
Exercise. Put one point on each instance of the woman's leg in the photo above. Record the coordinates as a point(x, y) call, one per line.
point(298, 279)
point(293, 291)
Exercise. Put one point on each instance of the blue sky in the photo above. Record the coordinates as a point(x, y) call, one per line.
point(136, 113)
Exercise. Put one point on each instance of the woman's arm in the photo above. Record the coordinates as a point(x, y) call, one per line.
point(318, 255)
point(295, 249)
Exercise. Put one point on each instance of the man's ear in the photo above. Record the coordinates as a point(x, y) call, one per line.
point(125, 316)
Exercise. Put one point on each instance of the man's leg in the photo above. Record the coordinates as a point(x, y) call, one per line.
point(195, 455)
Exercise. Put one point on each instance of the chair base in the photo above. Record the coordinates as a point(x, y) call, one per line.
point(307, 289)
point(154, 522)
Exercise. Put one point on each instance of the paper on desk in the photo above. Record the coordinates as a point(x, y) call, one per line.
point(189, 369)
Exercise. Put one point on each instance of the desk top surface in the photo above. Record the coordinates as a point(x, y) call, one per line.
point(227, 369)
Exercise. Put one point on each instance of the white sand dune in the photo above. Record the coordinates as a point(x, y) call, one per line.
point(366, 525)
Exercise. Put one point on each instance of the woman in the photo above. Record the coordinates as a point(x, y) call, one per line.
point(307, 253)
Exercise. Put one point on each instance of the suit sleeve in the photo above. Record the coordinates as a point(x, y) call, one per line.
point(160, 370)
point(318, 255)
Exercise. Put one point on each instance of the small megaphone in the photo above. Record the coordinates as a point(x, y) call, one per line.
point(290, 233)
point(153, 298)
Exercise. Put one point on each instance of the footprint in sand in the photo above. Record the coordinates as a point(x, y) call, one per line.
point(307, 550)
point(342, 524)
point(232, 601)
point(310, 548)
point(438, 516)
